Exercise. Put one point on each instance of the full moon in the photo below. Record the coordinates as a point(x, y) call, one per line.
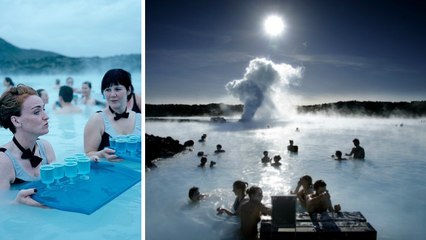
point(274, 26)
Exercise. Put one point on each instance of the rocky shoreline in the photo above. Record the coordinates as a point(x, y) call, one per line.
point(162, 147)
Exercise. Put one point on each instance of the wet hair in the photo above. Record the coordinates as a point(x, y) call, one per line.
point(39, 91)
point(338, 154)
point(67, 93)
point(308, 179)
point(11, 103)
point(318, 184)
point(253, 190)
point(277, 158)
point(218, 146)
point(9, 80)
point(240, 185)
point(88, 84)
point(265, 152)
point(203, 160)
point(117, 76)
point(355, 141)
point(192, 192)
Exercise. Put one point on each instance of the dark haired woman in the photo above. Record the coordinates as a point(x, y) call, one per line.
point(239, 189)
point(116, 119)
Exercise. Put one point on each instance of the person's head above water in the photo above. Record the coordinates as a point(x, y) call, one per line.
point(356, 142)
point(265, 153)
point(255, 193)
point(115, 77)
point(277, 158)
point(66, 93)
point(12, 105)
point(239, 187)
point(338, 154)
point(194, 194)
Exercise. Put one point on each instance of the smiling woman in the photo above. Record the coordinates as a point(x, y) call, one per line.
point(274, 26)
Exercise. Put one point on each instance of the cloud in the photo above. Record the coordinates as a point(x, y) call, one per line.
point(263, 84)
point(73, 28)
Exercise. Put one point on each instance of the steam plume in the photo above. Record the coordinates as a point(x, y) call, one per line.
point(263, 81)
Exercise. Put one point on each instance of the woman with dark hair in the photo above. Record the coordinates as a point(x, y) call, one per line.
point(8, 83)
point(22, 112)
point(134, 101)
point(239, 189)
point(116, 119)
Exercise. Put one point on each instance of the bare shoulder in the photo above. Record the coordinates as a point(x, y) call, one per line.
point(95, 120)
point(6, 165)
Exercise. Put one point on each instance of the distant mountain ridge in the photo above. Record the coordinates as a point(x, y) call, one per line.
point(14, 60)
point(414, 109)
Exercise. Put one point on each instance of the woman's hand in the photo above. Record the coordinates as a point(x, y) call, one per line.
point(24, 197)
point(107, 153)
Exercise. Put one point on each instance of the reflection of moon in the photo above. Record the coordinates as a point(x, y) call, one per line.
point(274, 26)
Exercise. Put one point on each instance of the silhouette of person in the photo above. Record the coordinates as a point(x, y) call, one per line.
point(357, 152)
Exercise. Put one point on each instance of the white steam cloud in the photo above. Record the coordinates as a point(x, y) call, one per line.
point(263, 84)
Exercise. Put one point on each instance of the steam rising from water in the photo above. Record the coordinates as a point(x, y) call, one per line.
point(263, 86)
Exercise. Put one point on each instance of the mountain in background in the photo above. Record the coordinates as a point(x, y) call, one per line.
point(414, 109)
point(14, 60)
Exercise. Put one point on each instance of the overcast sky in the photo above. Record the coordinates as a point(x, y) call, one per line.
point(349, 50)
point(73, 28)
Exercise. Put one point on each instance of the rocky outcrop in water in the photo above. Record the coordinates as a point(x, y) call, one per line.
point(160, 147)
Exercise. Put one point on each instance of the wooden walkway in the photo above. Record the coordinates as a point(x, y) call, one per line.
point(327, 226)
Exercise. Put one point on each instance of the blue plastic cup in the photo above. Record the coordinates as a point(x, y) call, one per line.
point(120, 146)
point(131, 146)
point(46, 174)
point(112, 142)
point(83, 165)
point(70, 159)
point(58, 171)
point(71, 170)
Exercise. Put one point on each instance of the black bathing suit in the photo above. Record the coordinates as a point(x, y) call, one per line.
point(105, 139)
point(135, 107)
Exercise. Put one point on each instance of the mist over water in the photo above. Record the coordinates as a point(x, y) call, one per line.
point(379, 187)
point(263, 88)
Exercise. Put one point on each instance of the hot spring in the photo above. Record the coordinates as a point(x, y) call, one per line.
point(387, 187)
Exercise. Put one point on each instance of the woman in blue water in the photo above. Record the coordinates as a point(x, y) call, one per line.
point(239, 189)
point(116, 119)
point(22, 112)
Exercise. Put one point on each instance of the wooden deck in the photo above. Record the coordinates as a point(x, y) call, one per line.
point(326, 226)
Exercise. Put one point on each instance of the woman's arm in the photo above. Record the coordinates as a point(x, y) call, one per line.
point(92, 139)
point(6, 172)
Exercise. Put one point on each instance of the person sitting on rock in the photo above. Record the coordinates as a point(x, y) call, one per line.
point(292, 148)
point(320, 201)
point(219, 149)
point(265, 158)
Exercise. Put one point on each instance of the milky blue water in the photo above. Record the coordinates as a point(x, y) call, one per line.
point(388, 187)
point(119, 219)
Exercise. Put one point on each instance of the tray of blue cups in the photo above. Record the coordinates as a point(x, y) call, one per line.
point(127, 147)
point(77, 184)
point(59, 174)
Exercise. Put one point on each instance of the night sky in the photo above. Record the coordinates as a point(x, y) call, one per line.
point(349, 50)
